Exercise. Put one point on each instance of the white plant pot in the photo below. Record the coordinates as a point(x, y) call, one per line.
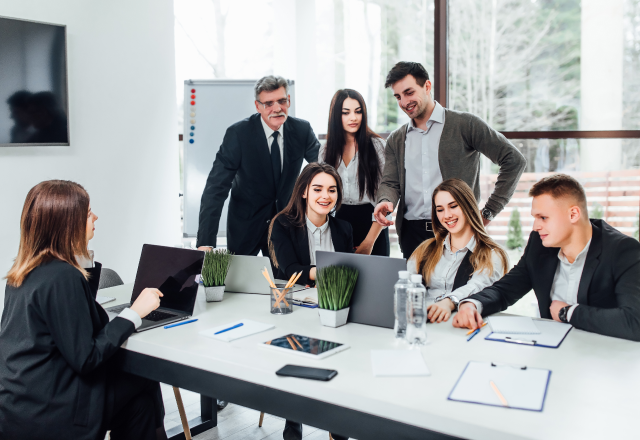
point(333, 318)
point(214, 293)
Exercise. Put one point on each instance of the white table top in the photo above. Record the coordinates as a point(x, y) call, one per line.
point(593, 390)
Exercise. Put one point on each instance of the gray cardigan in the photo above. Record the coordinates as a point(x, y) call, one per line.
point(464, 137)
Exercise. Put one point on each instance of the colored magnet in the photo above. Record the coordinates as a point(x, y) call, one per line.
point(193, 103)
point(191, 141)
point(193, 114)
point(193, 90)
point(193, 121)
point(191, 134)
point(193, 127)
point(193, 96)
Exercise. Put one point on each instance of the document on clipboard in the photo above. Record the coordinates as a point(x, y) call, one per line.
point(552, 333)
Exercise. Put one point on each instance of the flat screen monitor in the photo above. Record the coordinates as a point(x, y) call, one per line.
point(34, 108)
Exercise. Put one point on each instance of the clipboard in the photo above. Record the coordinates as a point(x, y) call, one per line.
point(503, 385)
point(552, 333)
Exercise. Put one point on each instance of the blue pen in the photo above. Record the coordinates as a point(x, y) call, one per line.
point(230, 328)
point(473, 334)
point(180, 323)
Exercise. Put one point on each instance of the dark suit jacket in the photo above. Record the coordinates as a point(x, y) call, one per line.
point(55, 341)
point(291, 245)
point(243, 164)
point(609, 290)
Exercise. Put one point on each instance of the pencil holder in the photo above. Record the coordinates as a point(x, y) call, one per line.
point(281, 300)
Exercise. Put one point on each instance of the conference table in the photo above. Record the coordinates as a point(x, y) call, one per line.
point(593, 392)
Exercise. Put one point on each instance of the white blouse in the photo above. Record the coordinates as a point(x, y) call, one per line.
point(444, 274)
point(349, 175)
point(319, 239)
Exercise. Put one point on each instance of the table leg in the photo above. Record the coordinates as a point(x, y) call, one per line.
point(208, 419)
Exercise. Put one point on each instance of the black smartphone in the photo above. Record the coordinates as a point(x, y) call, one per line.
point(307, 372)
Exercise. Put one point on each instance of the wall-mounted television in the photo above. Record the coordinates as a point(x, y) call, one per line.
point(34, 103)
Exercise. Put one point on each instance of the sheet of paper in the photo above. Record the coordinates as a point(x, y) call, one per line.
point(520, 325)
point(307, 295)
point(392, 363)
point(248, 328)
point(522, 389)
point(552, 333)
point(104, 299)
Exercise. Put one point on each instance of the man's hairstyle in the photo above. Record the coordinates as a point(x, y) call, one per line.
point(404, 68)
point(19, 99)
point(270, 83)
point(560, 186)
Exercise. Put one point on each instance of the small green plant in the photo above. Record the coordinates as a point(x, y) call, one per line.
point(215, 267)
point(597, 211)
point(335, 286)
point(514, 231)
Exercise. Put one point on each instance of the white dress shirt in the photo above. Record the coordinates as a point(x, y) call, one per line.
point(319, 239)
point(268, 132)
point(444, 274)
point(422, 166)
point(349, 175)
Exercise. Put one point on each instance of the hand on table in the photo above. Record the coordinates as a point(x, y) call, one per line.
point(147, 302)
point(467, 317)
point(312, 274)
point(440, 311)
point(381, 212)
point(555, 309)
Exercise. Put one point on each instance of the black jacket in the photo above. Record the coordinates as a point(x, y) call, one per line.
point(291, 245)
point(243, 164)
point(609, 290)
point(55, 341)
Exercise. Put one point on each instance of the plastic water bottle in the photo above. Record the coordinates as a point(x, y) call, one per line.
point(416, 311)
point(400, 303)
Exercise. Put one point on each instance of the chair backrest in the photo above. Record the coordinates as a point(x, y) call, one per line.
point(109, 278)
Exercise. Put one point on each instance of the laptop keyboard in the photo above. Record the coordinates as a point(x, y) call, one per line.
point(158, 316)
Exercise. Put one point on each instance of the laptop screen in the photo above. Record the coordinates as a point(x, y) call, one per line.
point(172, 271)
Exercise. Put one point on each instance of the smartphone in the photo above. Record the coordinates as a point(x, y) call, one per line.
point(307, 372)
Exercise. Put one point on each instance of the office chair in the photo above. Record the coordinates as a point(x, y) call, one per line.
point(110, 278)
point(262, 418)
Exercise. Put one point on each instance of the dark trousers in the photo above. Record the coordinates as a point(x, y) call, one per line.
point(293, 431)
point(134, 408)
point(360, 218)
point(414, 232)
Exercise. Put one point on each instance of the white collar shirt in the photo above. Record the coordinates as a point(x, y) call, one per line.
point(567, 279)
point(268, 132)
point(319, 239)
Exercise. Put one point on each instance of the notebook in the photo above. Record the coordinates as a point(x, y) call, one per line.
point(520, 386)
point(394, 363)
point(551, 335)
point(248, 328)
point(515, 325)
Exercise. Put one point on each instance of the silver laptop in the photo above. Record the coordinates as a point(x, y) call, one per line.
point(245, 276)
point(173, 272)
point(372, 300)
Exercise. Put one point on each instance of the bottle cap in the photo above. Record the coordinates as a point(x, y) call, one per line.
point(416, 278)
point(403, 274)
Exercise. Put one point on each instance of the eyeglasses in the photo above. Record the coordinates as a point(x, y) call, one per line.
point(270, 104)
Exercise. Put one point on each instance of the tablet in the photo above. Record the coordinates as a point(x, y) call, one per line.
point(311, 348)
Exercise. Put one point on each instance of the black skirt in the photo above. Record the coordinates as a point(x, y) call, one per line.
point(360, 218)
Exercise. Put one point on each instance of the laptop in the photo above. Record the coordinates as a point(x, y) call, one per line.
point(173, 272)
point(245, 276)
point(372, 300)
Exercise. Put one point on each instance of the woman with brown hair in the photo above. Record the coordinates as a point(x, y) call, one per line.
point(56, 340)
point(462, 259)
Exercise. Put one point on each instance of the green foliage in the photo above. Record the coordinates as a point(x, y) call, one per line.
point(597, 211)
point(215, 267)
point(514, 232)
point(335, 286)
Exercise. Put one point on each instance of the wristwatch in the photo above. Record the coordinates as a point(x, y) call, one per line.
point(454, 300)
point(562, 315)
point(486, 213)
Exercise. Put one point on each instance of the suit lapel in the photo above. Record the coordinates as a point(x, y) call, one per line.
point(548, 264)
point(593, 259)
point(339, 244)
point(302, 239)
point(262, 146)
point(290, 142)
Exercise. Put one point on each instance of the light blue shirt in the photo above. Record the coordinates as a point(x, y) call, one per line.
point(422, 166)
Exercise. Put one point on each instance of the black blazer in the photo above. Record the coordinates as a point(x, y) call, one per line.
point(55, 341)
point(609, 290)
point(243, 164)
point(291, 245)
point(463, 274)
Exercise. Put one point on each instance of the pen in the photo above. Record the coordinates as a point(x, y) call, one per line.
point(471, 331)
point(230, 328)
point(475, 332)
point(180, 323)
point(499, 394)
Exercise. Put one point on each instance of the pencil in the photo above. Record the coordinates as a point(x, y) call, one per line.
point(290, 280)
point(296, 340)
point(471, 331)
point(499, 394)
point(266, 275)
point(296, 280)
point(292, 346)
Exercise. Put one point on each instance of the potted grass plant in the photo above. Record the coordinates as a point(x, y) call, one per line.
point(214, 272)
point(335, 286)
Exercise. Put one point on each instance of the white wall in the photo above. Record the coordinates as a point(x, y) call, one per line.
point(124, 147)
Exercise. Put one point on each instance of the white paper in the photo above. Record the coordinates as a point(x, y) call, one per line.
point(249, 328)
point(104, 299)
point(391, 363)
point(518, 325)
point(522, 389)
point(307, 295)
point(551, 334)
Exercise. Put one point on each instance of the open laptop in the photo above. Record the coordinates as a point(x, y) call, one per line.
point(245, 276)
point(173, 272)
point(372, 300)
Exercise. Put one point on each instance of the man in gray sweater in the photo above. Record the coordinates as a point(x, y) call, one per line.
point(437, 144)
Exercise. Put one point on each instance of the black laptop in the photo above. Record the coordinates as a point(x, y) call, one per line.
point(372, 300)
point(173, 272)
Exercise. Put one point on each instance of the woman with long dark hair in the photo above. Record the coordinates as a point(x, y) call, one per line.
point(462, 259)
point(56, 341)
point(357, 153)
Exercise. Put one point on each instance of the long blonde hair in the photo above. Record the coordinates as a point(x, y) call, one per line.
point(53, 226)
point(429, 252)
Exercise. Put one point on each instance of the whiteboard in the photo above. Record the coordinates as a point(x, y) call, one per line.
point(218, 103)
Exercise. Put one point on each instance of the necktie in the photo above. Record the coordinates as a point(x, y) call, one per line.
point(275, 159)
